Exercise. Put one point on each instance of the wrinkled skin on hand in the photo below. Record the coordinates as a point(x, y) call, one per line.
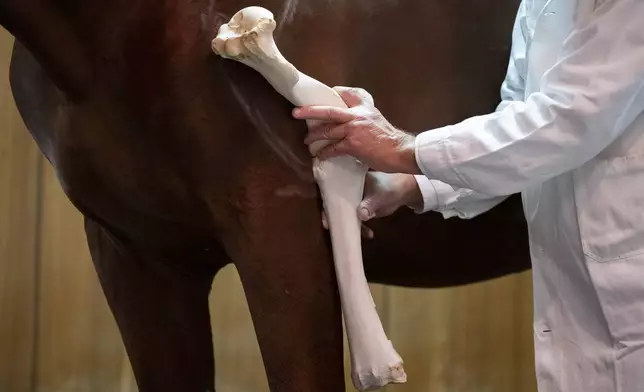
point(361, 131)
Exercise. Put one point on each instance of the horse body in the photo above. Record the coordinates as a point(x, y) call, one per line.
point(182, 162)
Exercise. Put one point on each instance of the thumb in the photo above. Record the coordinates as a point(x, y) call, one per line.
point(354, 96)
point(367, 208)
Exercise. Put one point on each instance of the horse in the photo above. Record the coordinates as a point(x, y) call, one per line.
point(182, 162)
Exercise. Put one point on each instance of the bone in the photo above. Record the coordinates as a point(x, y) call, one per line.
point(248, 38)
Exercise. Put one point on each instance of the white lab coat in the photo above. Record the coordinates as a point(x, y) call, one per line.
point(569, 135)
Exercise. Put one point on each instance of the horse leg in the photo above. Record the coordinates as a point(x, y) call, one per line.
point(285, 266)
point(161, 308)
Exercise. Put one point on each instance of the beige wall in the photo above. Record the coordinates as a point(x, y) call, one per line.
point(57, 335)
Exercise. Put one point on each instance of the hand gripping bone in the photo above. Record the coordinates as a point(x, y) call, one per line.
point(248, 38)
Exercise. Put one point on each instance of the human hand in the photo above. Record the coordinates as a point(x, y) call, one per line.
point(384, 194)
point(360, 131)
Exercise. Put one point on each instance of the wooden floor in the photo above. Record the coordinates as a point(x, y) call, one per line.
point(57, 334)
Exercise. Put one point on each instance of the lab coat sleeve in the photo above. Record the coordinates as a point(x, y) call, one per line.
point(466, 203)
point(586, 100)
point(454, 202)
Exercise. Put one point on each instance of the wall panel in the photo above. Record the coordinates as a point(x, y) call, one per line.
point(19, 184)
point(467, 339)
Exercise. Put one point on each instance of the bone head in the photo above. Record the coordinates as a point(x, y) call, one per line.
point(248, 37)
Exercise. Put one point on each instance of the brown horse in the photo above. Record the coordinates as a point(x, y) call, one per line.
point(182, 162)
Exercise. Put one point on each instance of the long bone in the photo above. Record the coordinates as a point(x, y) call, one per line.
point(248, 38)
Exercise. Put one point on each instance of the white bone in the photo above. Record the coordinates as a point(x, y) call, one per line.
point(248, 38)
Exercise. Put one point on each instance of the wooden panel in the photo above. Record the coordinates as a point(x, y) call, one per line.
point(80, 348)
point(18, 221)
point(523, 337)
point(474, 338)
point(238, 362)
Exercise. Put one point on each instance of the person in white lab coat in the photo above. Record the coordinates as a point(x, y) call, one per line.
point(569, 135)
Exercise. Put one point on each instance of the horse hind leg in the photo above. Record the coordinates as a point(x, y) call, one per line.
point(161, 309)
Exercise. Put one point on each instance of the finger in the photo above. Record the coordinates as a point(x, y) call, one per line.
point(324, 113)
point(334, 150)
point(366, 232)
point(325, 222)
point(326, 132)
point(353, 96)
point(370, 206)
point(364, 214)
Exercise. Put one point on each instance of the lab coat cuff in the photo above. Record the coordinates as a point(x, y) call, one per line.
point(444, 193)
point(428, 192)
point(432, 157)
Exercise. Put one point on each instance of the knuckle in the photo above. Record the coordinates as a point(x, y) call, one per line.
point(358, 113)
point(352, 126)
point(356, 128)
point(351, 142)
